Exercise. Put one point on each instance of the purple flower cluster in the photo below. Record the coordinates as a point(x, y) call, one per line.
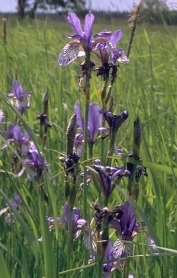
point(103, 44)
point(32, 160)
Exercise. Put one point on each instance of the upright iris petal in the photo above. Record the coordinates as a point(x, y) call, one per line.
point(75, 23)
point(128, 221)
point(94, 120)
point(89, 19)
point(80, 120)
point(115, 37)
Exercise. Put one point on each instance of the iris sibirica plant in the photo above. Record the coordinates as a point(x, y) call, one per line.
point(90, 145)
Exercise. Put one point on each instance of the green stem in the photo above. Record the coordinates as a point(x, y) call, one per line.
point(125, 269)
point(103, 93)
point(111, 147)
point(85, 158)
point(87, 102)
point(91, 150)
point(70, 239)
point(108, 95)
point(100, 269)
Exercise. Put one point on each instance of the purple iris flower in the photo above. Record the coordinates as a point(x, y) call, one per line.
point(19, 98)
point(35, 163)
point(94, 120)
point(78, 223)
point(15, 135)
point(109, 176)
point(113, 252)
point(16, 200)
point(82, 38)
point(114, 121)
point(22, 139)
point(127, 224)
point(107, 50)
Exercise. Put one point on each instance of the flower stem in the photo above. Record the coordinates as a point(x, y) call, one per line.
point(87, 102)
point(111, 147)
point(103, 93)
point(70, 239)
point(100, 269)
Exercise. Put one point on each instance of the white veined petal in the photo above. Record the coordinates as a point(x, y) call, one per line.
point(68, 54)
point(89, 243)
point(110, 50)
point(107, 274)
point(120, 250)
point(78, 149)
point(150, 242)
point(123, 59)
point(2, 211)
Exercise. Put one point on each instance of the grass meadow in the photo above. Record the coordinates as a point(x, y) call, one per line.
point(147, 88)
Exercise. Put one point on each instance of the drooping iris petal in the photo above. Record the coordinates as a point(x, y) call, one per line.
point(123, 58)
point(89, 19)
point(78, 147)
point(150, 242)
point(68, 54)
point(121, 249)
point(75, 23)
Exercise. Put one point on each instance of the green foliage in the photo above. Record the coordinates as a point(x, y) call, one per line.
point(146, 88)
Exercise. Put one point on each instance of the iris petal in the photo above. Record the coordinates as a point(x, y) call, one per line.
point(116, 36)
point(75, 23)
point(89, 19)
